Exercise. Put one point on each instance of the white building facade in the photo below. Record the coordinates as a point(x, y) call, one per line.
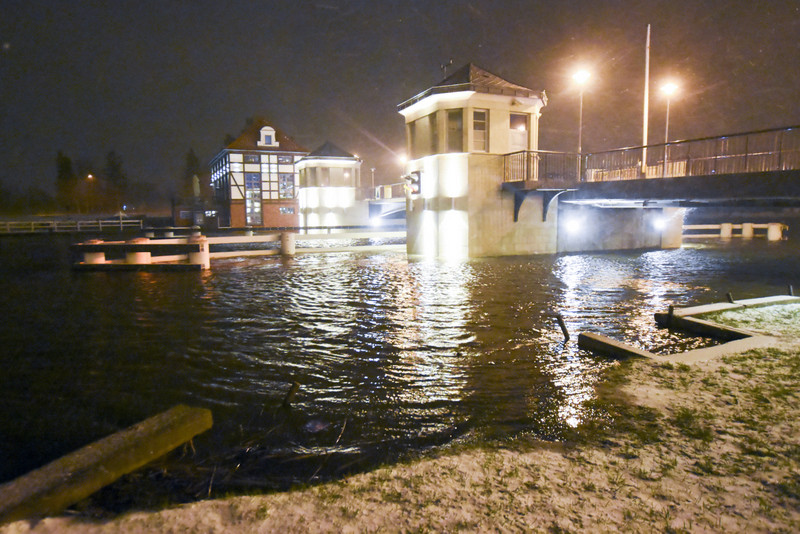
point(330, 191)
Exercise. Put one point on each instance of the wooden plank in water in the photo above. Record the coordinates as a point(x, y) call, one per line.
point(63, 482)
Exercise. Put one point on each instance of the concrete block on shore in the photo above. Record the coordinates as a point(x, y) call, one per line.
point(63, 482)
point(611, 347)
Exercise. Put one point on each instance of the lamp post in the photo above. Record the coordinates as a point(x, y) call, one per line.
point(668, 89)
point(580, 78)
point(89, 181)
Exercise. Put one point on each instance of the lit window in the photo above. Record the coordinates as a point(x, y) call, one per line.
point(480, 130)
point(518, 132)
point(267, 137)
point(286, 211)
point(455, 134)
point(286, 185)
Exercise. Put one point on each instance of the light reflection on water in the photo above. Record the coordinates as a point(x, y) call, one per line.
point(392, 354)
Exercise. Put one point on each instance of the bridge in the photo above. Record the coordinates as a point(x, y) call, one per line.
point(758, 168)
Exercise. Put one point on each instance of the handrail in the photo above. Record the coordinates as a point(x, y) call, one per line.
point(698, 139)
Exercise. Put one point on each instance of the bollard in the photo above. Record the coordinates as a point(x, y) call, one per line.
point(287, 244)
point(729, 296)
point(138, 257)
point(747, 230)
point(791, 290)
point(202, 257)
point(725, 230)
point(290, 395)
point(774, 232)
point(94, 258)
point(563, 326)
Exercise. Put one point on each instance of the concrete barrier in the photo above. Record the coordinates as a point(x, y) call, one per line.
point(59, 484)
point(611, 347)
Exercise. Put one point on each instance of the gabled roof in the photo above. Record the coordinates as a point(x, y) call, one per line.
point(470, 77)
point(329, 150)
point(248, 140)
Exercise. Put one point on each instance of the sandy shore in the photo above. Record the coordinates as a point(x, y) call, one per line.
point(707, 447)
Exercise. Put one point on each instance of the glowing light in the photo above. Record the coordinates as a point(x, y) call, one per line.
point(573, 225)
point(581, 76)
point(669, 89)
point(453, 170)
point(428, 234)
point(454, 235)
point(402, 159)
point(659, 223)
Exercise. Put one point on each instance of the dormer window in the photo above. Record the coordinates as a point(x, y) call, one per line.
point(267, 137)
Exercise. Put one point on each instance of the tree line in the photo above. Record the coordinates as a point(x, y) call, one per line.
point(82, 187)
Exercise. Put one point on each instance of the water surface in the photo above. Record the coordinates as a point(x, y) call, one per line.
point(392, 355)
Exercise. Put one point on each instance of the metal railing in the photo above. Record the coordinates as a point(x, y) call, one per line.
point(541, 165)
point(35, 227)
point(776, 149)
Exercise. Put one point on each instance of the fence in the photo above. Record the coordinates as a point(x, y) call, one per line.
point(776, 149)
point(34, 227)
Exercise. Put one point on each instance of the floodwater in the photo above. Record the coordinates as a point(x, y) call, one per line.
point(392, 355)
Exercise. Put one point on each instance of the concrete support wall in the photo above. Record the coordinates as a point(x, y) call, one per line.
point(492, 230)
point(462, 212)
point(585, 228)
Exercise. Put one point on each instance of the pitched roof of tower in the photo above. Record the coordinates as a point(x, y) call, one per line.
point(470, 77)
point(329, 150)
point(248, 139)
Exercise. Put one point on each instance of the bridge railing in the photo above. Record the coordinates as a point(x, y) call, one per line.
point(776, 149)
point(541, 165)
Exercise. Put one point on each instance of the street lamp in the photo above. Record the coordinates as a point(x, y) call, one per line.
point(668, 89)
point(580, 77)
point(89, 180)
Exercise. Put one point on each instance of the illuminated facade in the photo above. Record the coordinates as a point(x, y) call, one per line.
point(460, 133)
point(330, 185)
point(456, 133)
point(255, 179)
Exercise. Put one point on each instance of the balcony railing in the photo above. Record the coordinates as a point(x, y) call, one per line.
point(541, 166)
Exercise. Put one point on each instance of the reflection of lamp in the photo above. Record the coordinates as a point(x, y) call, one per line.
point(668, 89)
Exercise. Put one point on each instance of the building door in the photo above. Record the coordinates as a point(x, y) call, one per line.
point(252, 201)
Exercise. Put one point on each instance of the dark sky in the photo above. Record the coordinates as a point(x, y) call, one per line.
point(151, 79)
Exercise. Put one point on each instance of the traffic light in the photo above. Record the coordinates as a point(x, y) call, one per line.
point(413, 182)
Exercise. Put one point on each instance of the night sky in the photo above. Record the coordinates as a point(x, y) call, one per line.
point(152, 79)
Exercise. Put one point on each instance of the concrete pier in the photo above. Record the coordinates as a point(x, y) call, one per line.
point(138, 256)
point(202, 256)
point(288, 244)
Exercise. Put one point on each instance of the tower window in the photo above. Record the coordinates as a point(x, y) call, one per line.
point(480, 130)
point(455, 132)
point(518, 132)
